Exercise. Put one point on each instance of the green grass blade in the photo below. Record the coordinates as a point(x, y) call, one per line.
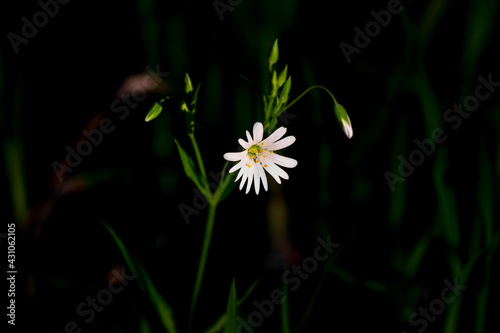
point(164, 310)
point(232, 310)
point(218, 325)
point(189, 168)
point(126, 255)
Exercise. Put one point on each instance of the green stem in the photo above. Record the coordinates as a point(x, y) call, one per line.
point(223, 173)
point(199, 160)
point(203, 258)
point(285, 311)
point(305, 92)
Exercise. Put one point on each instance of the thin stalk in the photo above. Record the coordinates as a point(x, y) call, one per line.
point(203, 258)
point(223, 173)
point(285, 311)
point(305, 92)
point(198, 156)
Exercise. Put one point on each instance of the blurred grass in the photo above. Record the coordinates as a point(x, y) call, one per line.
point(437, 227)
point(13, 146)
point(163, 309)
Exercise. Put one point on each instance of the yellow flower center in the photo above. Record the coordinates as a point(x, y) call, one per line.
point(254, 151)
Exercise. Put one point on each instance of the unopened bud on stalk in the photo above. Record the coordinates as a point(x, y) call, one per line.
point(282, 76)
point(154, 112)
point(286, 90)
point(343, 119)
point(189, 86)
point(273, 55)
point(274, 83)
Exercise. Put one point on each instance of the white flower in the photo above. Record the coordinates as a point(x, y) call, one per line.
point(259, 155)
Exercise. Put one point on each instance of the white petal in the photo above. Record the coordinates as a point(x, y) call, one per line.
point(250, 178)
point(276, 171)
point(347, 128)
point(258, 132)
point(245, 176)
point(263, 176)
point(256, 178)
point(237, 166)
point(243, 143)
point(242, 171)
point(273, 174)
point(235, 156)
point(283, 143)
point(249, 138)
point(276, 135)
point(282, 160)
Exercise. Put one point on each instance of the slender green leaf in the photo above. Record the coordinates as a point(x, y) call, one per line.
point(126, 255)
point(221, 322)
point(232, 310)
point(189, 167)
point(164, 310)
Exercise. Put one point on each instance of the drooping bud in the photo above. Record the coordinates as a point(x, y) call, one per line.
point(154, 112)
point(344, 120)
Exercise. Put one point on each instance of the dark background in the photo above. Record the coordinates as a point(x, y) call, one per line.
point(440, 223)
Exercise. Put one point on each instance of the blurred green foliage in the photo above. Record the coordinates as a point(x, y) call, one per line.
point(440, 223)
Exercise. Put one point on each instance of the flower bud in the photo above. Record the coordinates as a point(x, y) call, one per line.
point(274, 84)
point(282, 76)
point(154, 112)
point(343, 119)
point(189, 86)
point(273, 55)
point(286, 90)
